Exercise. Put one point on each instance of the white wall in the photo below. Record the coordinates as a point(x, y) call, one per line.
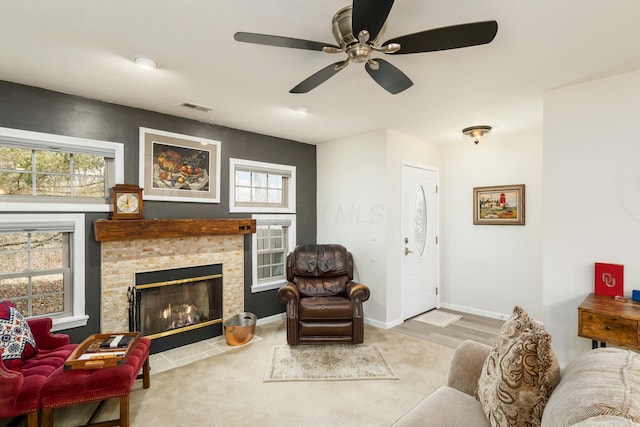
point(591, 198)
point(352, 210)
point(488, 269)
point(359, 207)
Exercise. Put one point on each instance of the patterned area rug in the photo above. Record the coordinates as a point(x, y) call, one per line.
point(438, 318)
point(337, 362)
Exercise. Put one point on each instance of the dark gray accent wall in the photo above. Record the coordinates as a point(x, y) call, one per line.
point(40, 110)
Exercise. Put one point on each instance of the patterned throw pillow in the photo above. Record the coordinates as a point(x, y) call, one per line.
point(519, 374)
point(16, 340)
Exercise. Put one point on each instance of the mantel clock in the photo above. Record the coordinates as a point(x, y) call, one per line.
point(127, 202)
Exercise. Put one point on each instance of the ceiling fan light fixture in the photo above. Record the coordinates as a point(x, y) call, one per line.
point(145, 62)
point(476, 132)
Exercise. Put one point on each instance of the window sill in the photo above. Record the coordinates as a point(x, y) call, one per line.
point(69, 322)
point(53, 207)
point(267, 286)
point(261, 209)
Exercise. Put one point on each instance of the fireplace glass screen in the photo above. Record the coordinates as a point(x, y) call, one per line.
point(168, 307)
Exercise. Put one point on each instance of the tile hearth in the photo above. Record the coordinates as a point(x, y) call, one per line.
point(181, 356)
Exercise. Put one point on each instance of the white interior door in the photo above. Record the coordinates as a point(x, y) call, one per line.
point(419, 246)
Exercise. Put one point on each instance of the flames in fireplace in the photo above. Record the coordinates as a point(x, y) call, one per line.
point(180, 315)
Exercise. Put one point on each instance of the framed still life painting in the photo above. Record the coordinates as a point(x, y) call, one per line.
point(179, 168)
point(498, 205)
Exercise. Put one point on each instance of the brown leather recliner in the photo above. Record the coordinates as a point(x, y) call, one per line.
point(324, 305)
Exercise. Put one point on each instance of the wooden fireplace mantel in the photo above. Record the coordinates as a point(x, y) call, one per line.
point(129, 229)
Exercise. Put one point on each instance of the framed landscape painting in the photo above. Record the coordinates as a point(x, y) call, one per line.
point(498, 205)
point(179, 168)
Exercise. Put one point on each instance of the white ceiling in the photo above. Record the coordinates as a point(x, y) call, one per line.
point(86, 48)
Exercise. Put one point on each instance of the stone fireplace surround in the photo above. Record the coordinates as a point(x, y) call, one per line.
point(144, 247)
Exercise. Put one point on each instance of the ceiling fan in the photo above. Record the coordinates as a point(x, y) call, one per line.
point(358, 29)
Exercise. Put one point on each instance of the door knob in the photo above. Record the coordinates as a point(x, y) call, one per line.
point(407, 251)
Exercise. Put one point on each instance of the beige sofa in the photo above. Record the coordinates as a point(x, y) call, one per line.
point(599, 388)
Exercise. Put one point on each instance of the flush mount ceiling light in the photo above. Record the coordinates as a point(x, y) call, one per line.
point(476, 132)
point(145, 62)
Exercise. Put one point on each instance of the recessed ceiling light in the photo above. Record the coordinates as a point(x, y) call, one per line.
point(301, 110)
point(145, 62)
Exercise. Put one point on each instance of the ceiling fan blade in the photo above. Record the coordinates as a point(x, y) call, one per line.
point(369, 15)
point(280, 41)
point(318, 78)
point(453, 37)
point(389, 77)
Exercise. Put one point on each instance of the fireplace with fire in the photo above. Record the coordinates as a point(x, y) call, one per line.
point(176, 307)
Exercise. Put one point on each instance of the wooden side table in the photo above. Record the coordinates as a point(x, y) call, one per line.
point(606, 320)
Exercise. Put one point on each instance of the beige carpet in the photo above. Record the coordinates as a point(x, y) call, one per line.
point(438, 318)
point(227, 390)
point(327, 363)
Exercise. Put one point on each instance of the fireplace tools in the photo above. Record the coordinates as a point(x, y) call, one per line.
point(133, 306)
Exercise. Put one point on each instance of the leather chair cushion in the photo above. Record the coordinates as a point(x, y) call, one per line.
point(318, 330)
point(333, 308)
point(320, 261)
point(319, 287)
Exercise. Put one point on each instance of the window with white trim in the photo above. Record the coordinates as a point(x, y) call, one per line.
point(46, 172)
point(261, 187)
point(42, 266)
point(274, 238)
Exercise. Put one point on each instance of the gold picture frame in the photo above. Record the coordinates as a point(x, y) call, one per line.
point(499, 205)
point(179, 168)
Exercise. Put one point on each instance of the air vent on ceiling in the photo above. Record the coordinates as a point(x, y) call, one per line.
point(196, 107)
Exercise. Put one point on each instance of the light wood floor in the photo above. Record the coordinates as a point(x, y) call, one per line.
point(470, 327)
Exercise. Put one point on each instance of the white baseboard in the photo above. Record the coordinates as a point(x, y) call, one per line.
point(470, 310)
point(391, 324)
point(269, 319)
point(382, 325)
point(372, 322)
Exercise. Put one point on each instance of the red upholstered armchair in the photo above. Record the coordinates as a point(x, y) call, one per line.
point(20, 386)
point(324, 305)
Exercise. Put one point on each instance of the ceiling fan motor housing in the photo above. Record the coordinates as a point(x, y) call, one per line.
point(343, 32)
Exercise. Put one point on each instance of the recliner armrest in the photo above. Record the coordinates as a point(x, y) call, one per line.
point(41, 330)
point(466, 366)
point(359, 291)
point(289, 292)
